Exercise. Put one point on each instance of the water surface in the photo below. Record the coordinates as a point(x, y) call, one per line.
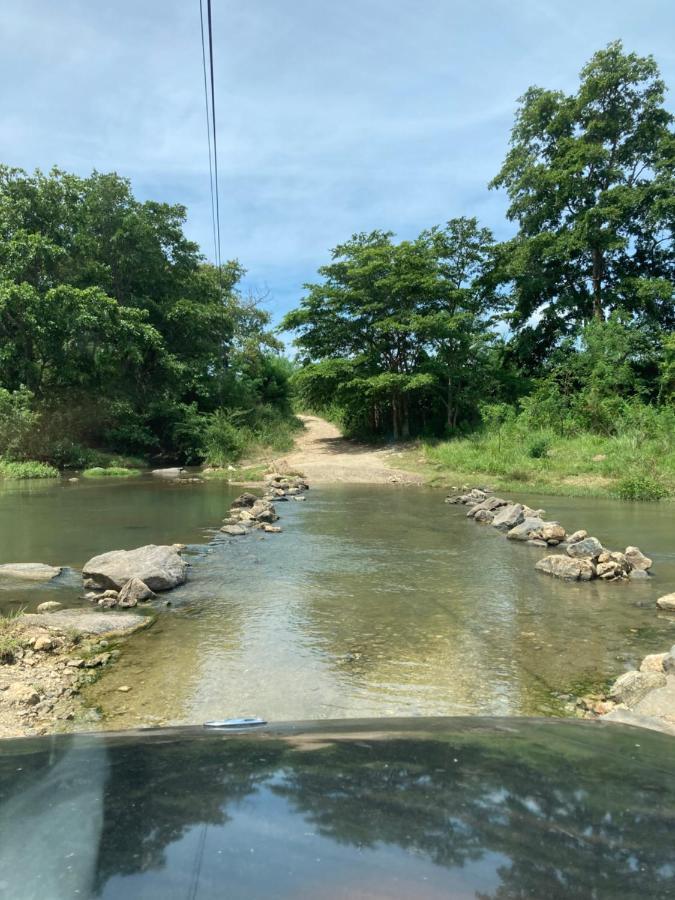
point(375, 601)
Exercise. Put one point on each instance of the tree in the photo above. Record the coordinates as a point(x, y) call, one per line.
point(590, 183)
point(395, 322)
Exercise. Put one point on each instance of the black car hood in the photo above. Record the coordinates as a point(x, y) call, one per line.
point(462, 807)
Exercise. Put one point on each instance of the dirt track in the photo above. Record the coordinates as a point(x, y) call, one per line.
point(323, 455)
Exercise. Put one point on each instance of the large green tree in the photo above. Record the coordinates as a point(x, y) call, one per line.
point(589, 177)
point(395, 331)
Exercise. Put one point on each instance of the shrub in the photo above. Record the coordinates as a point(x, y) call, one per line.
point(26, 470)
point(223, 441)
point(538, 448)
point(110, 472)
point(641, 486)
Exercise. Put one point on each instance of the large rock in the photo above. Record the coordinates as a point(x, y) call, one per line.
point(666, 602)
point(85, 621)
point(244, 501)
point(632, 687)
point(490, 505)
point(29, 571)
point(508, 517)
point(263, 511)
point(566, 568)
point(159, 567)
point(577, 536)
point(49, 606)
point(553, 533)
point(528, 529)
point(637, 559)
point(174, 472)
point(588, 548)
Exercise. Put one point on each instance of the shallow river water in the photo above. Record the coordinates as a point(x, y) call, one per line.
point(374, 601)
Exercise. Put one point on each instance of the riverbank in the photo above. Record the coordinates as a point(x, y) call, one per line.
point(582, 466)
point(45, 662)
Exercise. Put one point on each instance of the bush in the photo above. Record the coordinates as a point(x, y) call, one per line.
point(538, 448)
point(641, 486)
point(26, 470)
point(223, 442)
point(18, 423)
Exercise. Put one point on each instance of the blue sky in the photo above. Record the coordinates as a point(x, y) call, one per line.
point(333, 117)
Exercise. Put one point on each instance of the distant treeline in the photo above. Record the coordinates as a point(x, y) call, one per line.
point(569, 323)
point(117, 338)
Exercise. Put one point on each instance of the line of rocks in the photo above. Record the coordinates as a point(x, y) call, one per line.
point(250, 513)
point(584, 557)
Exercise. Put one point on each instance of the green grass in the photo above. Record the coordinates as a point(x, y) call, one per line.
point(630, 466)
point(11, 640)
point(110, 472)
point(26, 470)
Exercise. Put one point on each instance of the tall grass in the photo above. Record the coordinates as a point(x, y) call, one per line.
point(231, 437)
point(632, 464)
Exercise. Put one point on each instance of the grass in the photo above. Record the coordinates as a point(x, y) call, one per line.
point(110, 472)
point(26, 470)
point(630, 466)
point(11, 640)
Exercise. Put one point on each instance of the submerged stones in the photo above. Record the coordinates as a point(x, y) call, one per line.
point(248, 512)
point(584, 558)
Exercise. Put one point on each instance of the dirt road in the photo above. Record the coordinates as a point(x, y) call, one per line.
point(323, 455)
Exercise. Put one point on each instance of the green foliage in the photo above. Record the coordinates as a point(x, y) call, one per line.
point(590, 183)
point(538, 447)
point(396, 334)
point(115, 335)
point(641, 486)
point(26, 470)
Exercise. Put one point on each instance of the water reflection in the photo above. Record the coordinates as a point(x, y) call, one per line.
point(466, 808)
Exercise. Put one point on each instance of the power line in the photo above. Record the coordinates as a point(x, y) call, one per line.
point(208, 132)
point(212, 134)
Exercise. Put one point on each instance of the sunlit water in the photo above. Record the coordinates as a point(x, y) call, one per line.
point(374, 601)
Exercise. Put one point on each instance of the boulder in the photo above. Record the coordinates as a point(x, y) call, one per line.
point(133, 592)
point(49, 606)
point(172, 472)
point(666, 602)
point(577, 536)
point(29, 571)
point(530, 513)
point(653, 662)
point(234, 529)
point(508, 517)
point(638, 575)
point(485, 516)
point(159, 567)
point(631, 687)
point(608, 571)
point(272, 529)
point(43, 644)
point(637, 559)
point(566, 568)
point(263, 511)
point(588, 548)
point(490, 504)
point(553, 533)
point(244, 501)
point(528, 528)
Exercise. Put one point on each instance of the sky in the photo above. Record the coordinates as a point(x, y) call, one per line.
point(332, 117)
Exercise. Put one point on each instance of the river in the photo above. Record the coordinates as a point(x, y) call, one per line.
point(374, 601)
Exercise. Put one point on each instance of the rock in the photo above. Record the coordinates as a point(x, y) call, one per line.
point(263, 511)
point(653, 662)
point(638, 575)
point(19, 694)
point(553, 533)
point(124, 688)
point(665, 602)
point(637, 559)
point(133, 592)
point(490, 505)
point(485, 516)
point(632, 687)
point(49, 606)
point(234, 529)
point(508, 517)
point(107, 602)
point(577, 536)
point(172, 472)
point(588, 548)
point(608, 570)
point(528, 528)
point(29, 571)
point(43, 644)
point(179, 547)
point(88, 621)
point(272, 529)
point(530, 513)
point(297, 499)
point(605, 557)
point(244, 500)
point(159, 567)
point(537, 542)
point(566, 568)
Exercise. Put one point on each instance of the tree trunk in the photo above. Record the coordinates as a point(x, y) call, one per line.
point(405, 418)
point(598, 271)
point(450, 416)
point(395, 422)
